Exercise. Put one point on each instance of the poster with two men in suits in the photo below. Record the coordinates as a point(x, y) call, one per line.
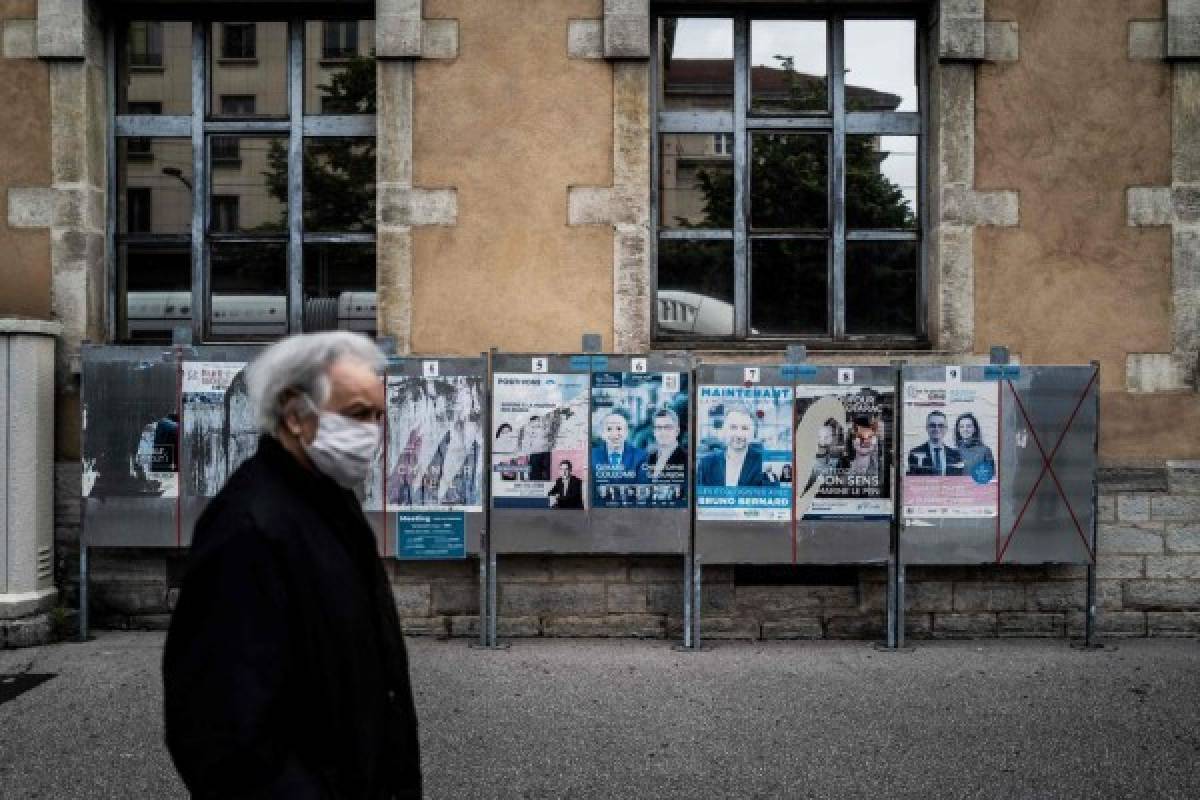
point(639, 450)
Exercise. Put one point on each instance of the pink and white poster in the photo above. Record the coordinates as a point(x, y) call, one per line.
point(951, 433)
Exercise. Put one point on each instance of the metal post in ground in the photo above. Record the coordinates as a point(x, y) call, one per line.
point(1090, 639)
point(83, 591)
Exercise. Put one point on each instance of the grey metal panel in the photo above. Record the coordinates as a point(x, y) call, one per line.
point(789, 123)
point(695, 121)
point(340, 125)
point(1046, 532)
point(890, 122)
point(1050, 396)
point(148, 125)
point(823, 541)
point(694, 233)
point(742, 291)
point(248, 126)
point(124, 389)
point(192, 504)
point(447, 366)
point(593, 530)
point(295, 246)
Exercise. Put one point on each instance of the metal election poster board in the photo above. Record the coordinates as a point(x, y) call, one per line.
point(844, 438)
point(743, 464)
point(578, 465)
point(431, 485)
point(130, 460)
point(999, 464)
point(218, 428)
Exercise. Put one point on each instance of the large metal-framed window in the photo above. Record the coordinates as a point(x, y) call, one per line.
point(788, 189)
point(242, 174)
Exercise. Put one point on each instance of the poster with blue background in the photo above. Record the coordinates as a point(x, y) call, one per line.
point(744, 453)
point(639, 440)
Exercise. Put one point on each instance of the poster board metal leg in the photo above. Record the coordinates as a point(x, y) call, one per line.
point(894, 627)
point(697, 581)
point(484, 612)
point(1090, 639)
point(83, 592)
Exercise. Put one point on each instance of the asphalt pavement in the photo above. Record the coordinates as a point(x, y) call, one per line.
point(626, 718)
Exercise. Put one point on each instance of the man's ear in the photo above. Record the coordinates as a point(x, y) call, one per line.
point(294, 411)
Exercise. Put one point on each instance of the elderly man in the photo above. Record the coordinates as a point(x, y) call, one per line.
point(285, 671)
point(615, 458)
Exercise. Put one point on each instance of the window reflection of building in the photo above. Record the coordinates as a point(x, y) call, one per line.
point(246, 234)
point(336, 48)
point(238, 40)
point(707, 84)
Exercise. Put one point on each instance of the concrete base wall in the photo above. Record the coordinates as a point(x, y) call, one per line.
point(1148, 585)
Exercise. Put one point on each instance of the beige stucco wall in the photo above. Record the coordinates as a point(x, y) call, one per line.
point(1070, 126)
point(24, 162)
point(511, 123)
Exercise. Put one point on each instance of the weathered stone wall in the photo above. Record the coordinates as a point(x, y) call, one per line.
point(25, 275)
point(1148, 585)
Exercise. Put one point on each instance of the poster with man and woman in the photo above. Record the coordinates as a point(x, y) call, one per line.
point(639, 440)
point(951, 430)
point(744, 453)
point(540, 440)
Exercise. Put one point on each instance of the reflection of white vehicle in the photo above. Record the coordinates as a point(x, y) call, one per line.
point(153, 315)
point(688, 312)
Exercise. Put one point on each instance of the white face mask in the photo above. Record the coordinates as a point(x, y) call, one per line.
point(344, 449)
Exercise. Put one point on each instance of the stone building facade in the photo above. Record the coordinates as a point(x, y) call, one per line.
point(515, 160)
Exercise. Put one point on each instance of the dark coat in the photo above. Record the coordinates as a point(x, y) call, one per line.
point(711, 470)
point(285, 672)
point(920, 461)
point(570, 496)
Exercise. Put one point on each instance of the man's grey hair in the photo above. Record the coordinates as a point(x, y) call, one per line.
point(300, 365)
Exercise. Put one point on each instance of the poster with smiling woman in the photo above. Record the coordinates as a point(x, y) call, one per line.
point(951, 430)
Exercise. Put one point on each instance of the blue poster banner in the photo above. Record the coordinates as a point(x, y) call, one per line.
point(744, 453)
point(639, 440)
point(430, 535)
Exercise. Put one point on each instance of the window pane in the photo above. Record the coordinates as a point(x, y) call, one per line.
point(249, 69)
point(339, 185)
point(256, 185)
point(881, 181)
point(789, 179)
point(789, 287)
point(339, 66)
point(339, 287)
point(249, 289)
point(157, 294)
point(154, 68)
point(788, 66)
point(881, 65)
point(154, 186)
point(695, 287)
point(881, 287)
point(695, 187)
point(697, 63)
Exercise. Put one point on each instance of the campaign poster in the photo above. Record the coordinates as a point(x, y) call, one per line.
point(540, 441)
point(639, 440)
point(744, 453)
point(434, 444)
point(849, 448)
point(951, 431)
point(219, 428)
point(130, 429)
